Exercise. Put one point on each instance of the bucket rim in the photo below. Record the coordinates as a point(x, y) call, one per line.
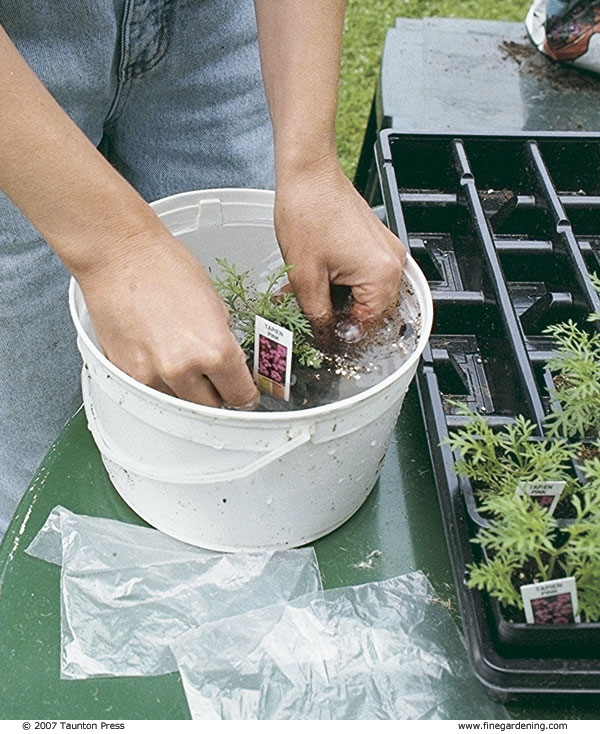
point(412, 272)
point(247, 197)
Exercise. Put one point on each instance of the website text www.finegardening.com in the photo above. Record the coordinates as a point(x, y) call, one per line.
point(513, 726)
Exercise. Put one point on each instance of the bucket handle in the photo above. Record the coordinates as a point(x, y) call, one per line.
point(116, 455)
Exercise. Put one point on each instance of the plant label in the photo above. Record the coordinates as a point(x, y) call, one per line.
point(272, 358)
point(551, 602)
point(546, 493)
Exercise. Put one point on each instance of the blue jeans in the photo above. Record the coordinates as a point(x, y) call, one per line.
point(171, 93)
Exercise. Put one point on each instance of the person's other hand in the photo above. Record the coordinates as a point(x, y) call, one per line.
point(159, 318)
point(327, 231)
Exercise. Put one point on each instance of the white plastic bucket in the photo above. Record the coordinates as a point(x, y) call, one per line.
point(229, 480)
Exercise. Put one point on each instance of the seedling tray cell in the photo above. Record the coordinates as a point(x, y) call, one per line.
point(517, 639)
point(506, 229)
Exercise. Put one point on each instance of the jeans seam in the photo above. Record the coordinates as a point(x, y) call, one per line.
point(127, 70)
point(122, 87)
point(136, 70)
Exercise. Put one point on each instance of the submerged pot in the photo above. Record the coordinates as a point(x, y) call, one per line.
point(234, 480)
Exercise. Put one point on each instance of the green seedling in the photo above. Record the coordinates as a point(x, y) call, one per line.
point(576, 365)
point(524, 545)
point(245, 302)
point(497, 461)
point(576, 368)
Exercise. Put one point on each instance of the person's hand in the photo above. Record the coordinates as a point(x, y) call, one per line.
point(327, 231)
point(158, 317)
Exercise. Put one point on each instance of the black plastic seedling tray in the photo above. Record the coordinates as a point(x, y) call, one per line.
point(506, 229)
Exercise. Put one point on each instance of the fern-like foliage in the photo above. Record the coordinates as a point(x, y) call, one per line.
point(499, 460)
point(523, 535)
point(577, 386)
point(245, 302)
point(581, 557)
point(495, 578)
point(523, 543)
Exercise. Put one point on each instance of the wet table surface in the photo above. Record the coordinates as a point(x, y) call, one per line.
point(459, 75)
point(400, 519)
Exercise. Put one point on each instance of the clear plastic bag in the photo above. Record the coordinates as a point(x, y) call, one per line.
point(128, 591)
point(385, 650)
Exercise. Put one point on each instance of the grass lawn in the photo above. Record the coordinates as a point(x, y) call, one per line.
point(366, 24)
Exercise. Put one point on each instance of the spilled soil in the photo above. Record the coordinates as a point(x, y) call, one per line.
point(561, 76)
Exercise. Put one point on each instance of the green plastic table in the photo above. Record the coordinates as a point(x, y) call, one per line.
point(400, 519)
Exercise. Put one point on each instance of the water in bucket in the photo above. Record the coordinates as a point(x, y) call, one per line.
point(357, 355)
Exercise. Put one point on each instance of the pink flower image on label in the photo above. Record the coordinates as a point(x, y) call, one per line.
point(271, 359)
point(557, 609)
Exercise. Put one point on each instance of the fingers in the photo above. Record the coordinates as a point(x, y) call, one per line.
point(167, 327)
point(379, 291)
point(196, 388)
point(229, 383)
point(374, 284)
point(377, 278)
point(215, 376)
point(313, 291)
point(332, 237)
point(231, 378)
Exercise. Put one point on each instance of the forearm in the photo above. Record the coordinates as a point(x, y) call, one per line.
point(53, 173)
point(324, 228)
point(300, 46)
point(154, 308)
